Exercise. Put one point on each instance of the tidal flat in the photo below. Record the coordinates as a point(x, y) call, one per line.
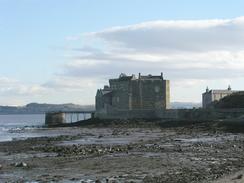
point(196, 153)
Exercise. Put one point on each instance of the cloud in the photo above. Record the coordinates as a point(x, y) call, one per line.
point(185, 48)
point(199, 51)
point(59, 89)
point(67, 84)
point(190, 65)
point(15, 92)
point(190, 53)
point(78, 90)
point(172, 36)
point(9, 86)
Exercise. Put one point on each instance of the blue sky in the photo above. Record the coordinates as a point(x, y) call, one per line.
point(38, 39)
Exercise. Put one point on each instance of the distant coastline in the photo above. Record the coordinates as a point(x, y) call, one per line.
point(36, 108)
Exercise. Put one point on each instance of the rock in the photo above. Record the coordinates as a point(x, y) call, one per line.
point(98, 181)
point(21, 164)
point(74, 179)
point(100, 136)
point(112, 180)
point(148, 179)
point(238, 177)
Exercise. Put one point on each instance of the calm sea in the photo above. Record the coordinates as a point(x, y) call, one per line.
point(22, 126)
point(18, 126)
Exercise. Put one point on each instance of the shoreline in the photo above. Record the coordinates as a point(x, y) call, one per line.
point(138, 152)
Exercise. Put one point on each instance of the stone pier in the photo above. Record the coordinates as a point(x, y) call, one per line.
point(54, 118)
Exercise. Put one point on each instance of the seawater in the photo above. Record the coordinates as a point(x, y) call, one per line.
point(22, 126)
point(16, 125)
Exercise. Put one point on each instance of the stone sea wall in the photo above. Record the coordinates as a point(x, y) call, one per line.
point(54, 118)
point(172, 114)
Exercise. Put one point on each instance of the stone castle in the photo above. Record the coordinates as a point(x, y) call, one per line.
point(148, 97)
point(132, 97)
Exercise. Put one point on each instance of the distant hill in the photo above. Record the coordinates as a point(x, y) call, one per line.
point(185, 105)
point(36, 108)
point(235, 100)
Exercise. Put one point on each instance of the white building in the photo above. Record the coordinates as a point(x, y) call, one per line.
point(214, 95)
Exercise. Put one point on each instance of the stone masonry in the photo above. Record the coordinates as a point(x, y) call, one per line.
point(131, 93)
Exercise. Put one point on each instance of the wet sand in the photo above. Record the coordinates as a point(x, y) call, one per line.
point(121, 153)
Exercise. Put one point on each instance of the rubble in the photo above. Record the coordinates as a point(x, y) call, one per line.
point(188, 154)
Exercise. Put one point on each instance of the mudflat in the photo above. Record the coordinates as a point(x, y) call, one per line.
point(201, 152)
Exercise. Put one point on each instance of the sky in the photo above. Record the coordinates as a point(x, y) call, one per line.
point(62, 51)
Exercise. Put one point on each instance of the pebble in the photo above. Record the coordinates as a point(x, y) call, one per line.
point(112, 180)
point(100, 136)
point(238, 177)
point(21, 164)
point(98, 181)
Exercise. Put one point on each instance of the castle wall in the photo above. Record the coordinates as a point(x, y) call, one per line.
point(138, 114)
point(206, 99)
point(134, 97)
point(146, 94)
point(101, 100)
point(120, 96)
point(150, 94)
point(175, 114)
point(166, 94)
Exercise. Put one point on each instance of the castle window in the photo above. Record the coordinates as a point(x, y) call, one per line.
point(156, 89)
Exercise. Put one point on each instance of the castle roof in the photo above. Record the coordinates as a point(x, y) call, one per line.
point(151, 77)
point(222, 91)
point(129, 78)
point(103, 92)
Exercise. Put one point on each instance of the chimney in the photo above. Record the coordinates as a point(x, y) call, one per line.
point(229, 88)
point(139, 75)
point(162, 76)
